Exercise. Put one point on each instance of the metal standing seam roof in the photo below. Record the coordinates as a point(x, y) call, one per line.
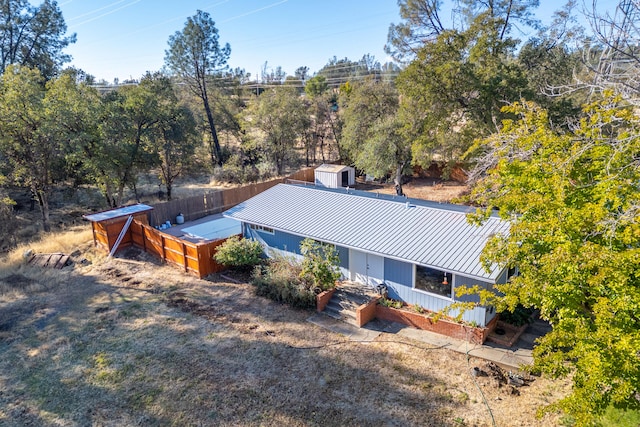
point(425, 233)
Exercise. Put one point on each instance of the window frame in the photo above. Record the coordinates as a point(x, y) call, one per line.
point(450, 278)
point(261, 229)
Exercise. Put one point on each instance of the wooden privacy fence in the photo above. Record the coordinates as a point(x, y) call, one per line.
point(217, 201)
point(193, 258)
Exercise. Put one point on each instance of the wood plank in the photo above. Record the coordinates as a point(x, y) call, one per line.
point(55, 260)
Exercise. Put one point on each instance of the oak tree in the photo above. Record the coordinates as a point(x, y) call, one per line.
point(373, 131)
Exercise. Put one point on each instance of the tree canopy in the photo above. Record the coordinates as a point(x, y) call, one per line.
point(372, 133)
point(195, 54)
point(33, 36)
point(573, 199)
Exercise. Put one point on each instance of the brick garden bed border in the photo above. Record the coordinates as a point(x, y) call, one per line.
point(475, 335)
point(425, 321)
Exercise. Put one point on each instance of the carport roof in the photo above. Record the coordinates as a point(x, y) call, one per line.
point(425, 233)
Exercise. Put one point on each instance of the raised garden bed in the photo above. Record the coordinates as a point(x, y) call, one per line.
point(426, 321)
point(506, 334)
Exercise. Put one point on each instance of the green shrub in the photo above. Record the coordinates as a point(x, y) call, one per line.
point(280, 281)
point(418, 308)
point(238, 253)
point(520, 316)
point(319, 264)
point(388, 302)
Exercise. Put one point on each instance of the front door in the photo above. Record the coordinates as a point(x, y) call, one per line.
point(366, 268)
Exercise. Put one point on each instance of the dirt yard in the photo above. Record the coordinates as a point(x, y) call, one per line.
point(110, 343)
point(433, 189)
point(133, 342)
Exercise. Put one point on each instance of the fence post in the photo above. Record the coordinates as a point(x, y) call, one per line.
point(144, 237)
point(184, 254)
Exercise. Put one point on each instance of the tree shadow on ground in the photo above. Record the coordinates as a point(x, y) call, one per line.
point(94, 351)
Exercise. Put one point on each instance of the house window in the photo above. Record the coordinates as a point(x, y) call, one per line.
point(261, 228)
point(433, 281)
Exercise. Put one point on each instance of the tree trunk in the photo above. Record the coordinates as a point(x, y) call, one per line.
point(108, 192)
point(398, 179)
point(212, 128)
point(43, 201)
point(135, 191)
point(169, 185)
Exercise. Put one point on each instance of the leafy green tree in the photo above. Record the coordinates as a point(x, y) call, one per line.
point(277, 120)
point(33, 36)
point(239, 253)
point(7, 219)
point(129, 122)
point(195, 54)
point(320, 263)
point(74, 107)
point(27, 137)
point(301, 74)
point(324, 128)
point(455, 87)
point(421, 23)
point(316, 86)
point(339, 71)
point(573, 201)
point(173, 138)
point(373, 132)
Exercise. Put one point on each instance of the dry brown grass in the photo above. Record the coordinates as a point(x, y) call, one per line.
point(67, 242)
point(116, 343)
point(21, 282)
point(422, 188)
point(110, 343)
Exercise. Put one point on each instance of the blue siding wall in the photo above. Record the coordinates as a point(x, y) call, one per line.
point(343, 253)
point(398, 276)
point(291, 243)
point(503, 277)
point(279, 240)
point(480, 315)
point(460, 281)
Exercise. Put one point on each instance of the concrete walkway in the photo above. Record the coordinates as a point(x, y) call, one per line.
point(509, 358)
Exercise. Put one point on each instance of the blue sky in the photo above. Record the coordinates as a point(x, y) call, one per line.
point(126, 38)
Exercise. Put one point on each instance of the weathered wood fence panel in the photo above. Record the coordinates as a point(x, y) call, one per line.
point(216, 201)
point(193, 258)
point(105, 233)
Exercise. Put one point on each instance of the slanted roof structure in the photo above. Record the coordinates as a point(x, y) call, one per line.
point(118, 212)
point(425, 233)
point(326, 167)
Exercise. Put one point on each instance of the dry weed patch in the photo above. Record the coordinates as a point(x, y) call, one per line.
point(141, 344)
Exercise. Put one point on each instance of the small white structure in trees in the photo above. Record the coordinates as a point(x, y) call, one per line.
point(335, 176)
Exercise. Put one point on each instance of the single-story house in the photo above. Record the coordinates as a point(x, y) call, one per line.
point(420, 250)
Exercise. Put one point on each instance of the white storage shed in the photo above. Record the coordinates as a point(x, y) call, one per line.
point(335, 176)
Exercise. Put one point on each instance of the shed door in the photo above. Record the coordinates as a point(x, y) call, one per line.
point(345, 178)
point(366, 268)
